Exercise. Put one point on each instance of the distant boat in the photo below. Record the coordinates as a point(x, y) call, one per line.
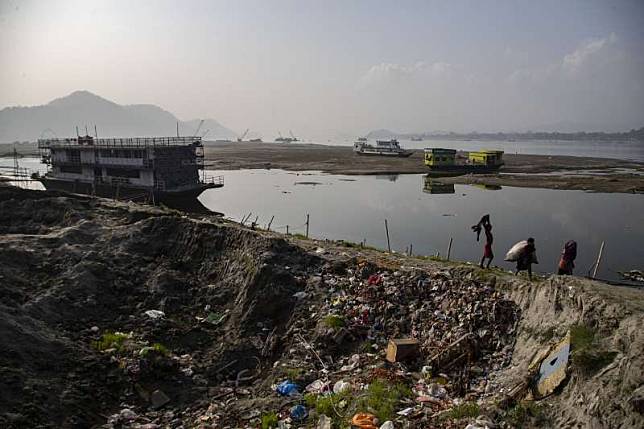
point(255, 141)
point(416, 139)
point(382, 148)
point(282, 139)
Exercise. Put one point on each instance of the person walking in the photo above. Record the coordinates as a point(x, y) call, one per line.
point(527, 257)
point(567, 260)
point(486, 225)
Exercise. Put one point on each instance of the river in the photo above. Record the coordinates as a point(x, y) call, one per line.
point(426, 215)
point(354, 208)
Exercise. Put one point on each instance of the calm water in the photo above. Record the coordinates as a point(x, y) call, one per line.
point(424, 214)
point(628, 150)
point(354, 208)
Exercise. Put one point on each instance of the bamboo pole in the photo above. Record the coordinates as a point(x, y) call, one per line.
point(387, 232)
point(599, 259)
point(307, 226)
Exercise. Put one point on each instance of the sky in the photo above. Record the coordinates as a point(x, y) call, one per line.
point(331, 69)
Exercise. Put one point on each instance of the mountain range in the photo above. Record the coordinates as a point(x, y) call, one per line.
point(59, 118)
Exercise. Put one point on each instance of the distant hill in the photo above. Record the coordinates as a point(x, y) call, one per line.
point(60, 117)
point(382, 134)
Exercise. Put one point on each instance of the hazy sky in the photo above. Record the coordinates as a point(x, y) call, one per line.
point(324, 68)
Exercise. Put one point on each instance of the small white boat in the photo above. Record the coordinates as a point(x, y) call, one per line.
point(382, 148)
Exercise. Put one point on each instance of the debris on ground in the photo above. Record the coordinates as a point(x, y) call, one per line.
point(154, 319)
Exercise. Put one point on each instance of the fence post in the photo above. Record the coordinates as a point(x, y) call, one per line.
point(449, 248)
point(307, 225)
point(599, 259)
point(411, 248)
point(387, 231)
point(270, 222)
point(286, 229)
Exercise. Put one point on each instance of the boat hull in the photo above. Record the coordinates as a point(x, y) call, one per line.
point(461, 169)
point(404, 154)
point(183, 200)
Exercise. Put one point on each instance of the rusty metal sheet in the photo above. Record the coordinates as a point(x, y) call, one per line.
point(554, 368)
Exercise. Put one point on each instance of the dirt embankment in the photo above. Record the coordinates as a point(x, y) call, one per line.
point(120, 315)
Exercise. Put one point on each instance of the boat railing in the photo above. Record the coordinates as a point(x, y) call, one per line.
point(212, 180)
point(127, 142)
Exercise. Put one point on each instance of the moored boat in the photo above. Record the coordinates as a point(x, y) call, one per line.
point(444, 162)
point(382, 148)
point(147, 168)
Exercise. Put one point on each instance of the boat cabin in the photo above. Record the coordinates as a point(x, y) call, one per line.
point(439, 157)
point(486, 157)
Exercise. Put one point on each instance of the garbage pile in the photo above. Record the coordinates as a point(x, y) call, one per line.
point(376, 347)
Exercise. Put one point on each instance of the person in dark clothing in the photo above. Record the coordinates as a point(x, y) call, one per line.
point(527, 258)
point(485, 224)
point(479, 226)
point(568, 256)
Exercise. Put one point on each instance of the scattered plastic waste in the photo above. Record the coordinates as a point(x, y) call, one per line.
point(155, 314)
point(287, 388)
point(364, 421)
point(324, 422)
point(299, 412)
point(300, 295)
point(341, 386)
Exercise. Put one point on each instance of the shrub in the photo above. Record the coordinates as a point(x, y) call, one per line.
point(334, 321)
point(588, 356)
point(382, 399)
point(466, 409)
point(523, 412)
point(269, 421)
point(111, 340)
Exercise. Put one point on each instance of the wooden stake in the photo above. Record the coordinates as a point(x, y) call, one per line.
point(307, 226)
point(387, 231)
point(449, 248)
point(270, 222)
point(599, 259)
point(411, 249)
point(286, 229)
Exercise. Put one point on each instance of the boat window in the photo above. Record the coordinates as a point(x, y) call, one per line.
point(123, 172)
point(74, 169)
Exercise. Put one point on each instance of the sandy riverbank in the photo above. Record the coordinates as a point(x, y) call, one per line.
point(529, 171)
point(539, 171)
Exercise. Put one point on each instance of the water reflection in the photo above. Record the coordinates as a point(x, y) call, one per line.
point(488, 187)
point(433, 186)
point(390, 177)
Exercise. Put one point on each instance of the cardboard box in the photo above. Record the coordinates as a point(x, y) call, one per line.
point(400, 349)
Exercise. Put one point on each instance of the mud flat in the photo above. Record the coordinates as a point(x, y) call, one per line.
point(554, 172)
point(119, 315)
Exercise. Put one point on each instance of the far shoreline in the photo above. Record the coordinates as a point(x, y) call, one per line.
point(608, 175)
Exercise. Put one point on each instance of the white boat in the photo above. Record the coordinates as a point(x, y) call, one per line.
point(382, 148)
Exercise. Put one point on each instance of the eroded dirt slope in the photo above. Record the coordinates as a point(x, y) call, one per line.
point(118, 315)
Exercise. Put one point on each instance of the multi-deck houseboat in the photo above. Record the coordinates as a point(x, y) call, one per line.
point(155, 168)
